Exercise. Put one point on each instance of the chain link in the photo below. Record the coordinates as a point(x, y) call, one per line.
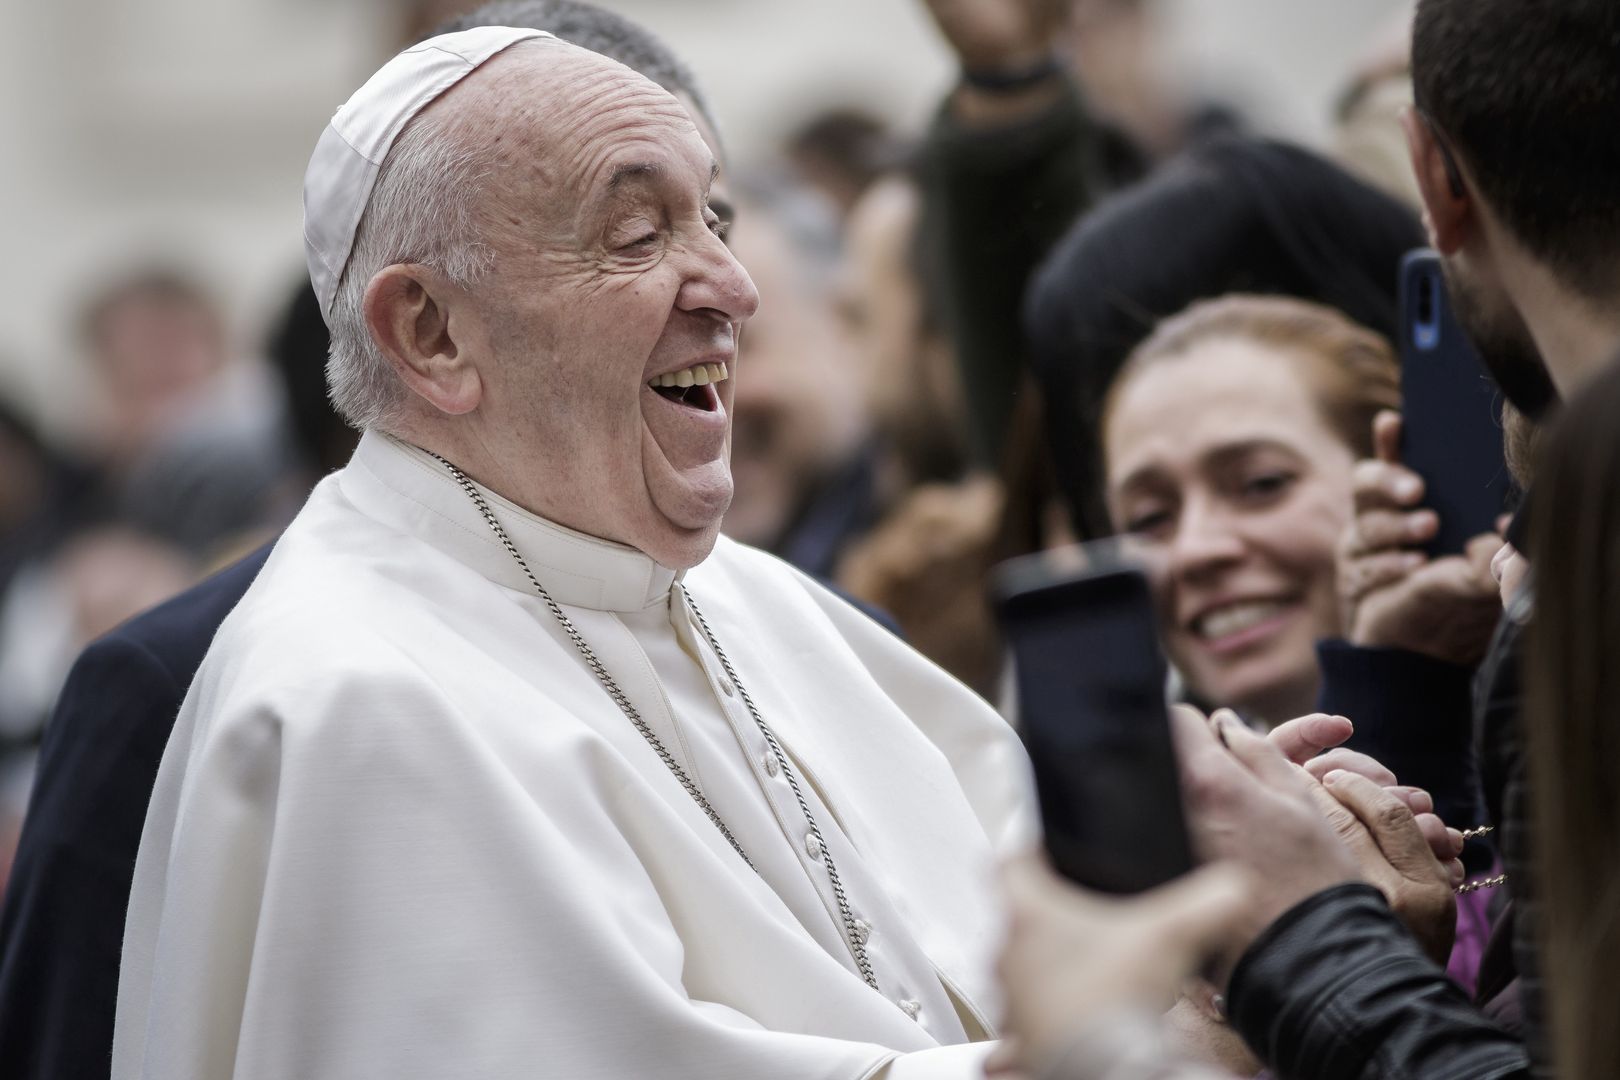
point(852, 936)
point(620, 698)
point(1482, 883)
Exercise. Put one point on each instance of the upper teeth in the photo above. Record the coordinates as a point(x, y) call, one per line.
point(1236, 617)
point(696, 375)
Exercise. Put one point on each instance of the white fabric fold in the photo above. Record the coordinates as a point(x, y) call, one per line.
point(401, 831)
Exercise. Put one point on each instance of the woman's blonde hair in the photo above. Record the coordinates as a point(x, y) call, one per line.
point(1351, 369)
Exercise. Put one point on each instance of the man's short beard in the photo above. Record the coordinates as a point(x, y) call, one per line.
point(1504, 345)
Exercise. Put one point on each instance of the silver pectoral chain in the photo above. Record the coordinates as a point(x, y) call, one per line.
point(853, 935)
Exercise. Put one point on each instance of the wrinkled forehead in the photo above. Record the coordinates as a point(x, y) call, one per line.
point(552, 112)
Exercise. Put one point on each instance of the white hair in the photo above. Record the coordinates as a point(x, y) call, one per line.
point(423, 209)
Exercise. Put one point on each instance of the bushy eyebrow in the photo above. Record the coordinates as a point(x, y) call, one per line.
point(633, 171)
point(637, 170)
point(1221, 457)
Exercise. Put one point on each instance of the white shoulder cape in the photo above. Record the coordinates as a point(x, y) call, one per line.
point(400, 831)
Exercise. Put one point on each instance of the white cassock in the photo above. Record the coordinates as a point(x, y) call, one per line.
point(401, 831)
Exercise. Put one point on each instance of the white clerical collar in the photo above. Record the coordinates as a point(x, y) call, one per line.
point(404, 486)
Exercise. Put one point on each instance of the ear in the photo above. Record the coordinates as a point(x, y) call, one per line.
point(1447, 203)
point(407, 309)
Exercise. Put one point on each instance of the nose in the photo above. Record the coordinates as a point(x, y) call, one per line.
point(718, 283)
point(1206, 541)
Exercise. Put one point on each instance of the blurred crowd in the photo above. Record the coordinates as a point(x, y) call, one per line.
point(193, 453)
point(1075, 304)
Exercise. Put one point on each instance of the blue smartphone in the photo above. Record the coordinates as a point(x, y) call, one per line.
point(1093, 712)
point(1451, 432)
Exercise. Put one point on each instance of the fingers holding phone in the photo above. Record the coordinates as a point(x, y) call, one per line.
point(1393, 593)
point(1073, 957)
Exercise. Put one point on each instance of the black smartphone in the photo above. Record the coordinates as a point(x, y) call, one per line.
point(1451, 433)
point(1092, 708)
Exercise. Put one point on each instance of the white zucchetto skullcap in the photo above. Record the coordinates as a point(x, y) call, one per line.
point(344, 167)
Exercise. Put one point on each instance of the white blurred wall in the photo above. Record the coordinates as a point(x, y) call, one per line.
point(181, 127)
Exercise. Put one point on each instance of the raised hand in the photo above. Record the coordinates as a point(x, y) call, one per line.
point(1072, 957)
point(1395, 596)
point(995, 35)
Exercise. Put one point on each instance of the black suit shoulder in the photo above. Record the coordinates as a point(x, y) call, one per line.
point(62, 925)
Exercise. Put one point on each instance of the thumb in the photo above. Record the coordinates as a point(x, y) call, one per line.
point(1197, 913)
point(1303, 737)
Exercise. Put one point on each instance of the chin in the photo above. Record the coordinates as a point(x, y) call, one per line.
point(682, 549)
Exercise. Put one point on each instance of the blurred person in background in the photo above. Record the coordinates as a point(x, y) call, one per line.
point(914, 391)
point(189, 437)
point(45, 497)
point(322, 441)
point(841, 151)
point(924, 562)
point(802, 457)
point(1573, 729)
point(1118, 53)
point(1366, 135)
point(62, 920)
point(1058, 102)
point(1010, 160)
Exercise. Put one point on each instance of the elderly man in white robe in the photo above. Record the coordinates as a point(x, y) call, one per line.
point(508, 765)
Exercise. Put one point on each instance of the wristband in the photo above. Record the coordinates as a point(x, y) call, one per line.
point(1011, 81)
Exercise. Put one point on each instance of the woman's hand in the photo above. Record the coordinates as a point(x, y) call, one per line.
point(1392, 594)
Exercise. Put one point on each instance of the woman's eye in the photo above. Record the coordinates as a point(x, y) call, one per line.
point(1267, 484)
point(1148, 523)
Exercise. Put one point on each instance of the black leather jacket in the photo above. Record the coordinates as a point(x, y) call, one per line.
point(1337, 990)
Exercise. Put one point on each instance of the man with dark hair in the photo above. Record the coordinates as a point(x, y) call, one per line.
point(1513, 141)
point(63, 918)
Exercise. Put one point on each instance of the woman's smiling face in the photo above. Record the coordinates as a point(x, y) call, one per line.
point(1222, 467)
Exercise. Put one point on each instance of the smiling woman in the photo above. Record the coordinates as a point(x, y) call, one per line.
point(1229, 438)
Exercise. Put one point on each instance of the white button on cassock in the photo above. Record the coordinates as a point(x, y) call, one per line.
point(812, 845)
point(863, 931)
point(911, 1008)
point(771, 767)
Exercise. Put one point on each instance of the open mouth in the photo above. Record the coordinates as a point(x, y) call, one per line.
point(1240, 625)
point(692, 387)
point(1235, 618)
